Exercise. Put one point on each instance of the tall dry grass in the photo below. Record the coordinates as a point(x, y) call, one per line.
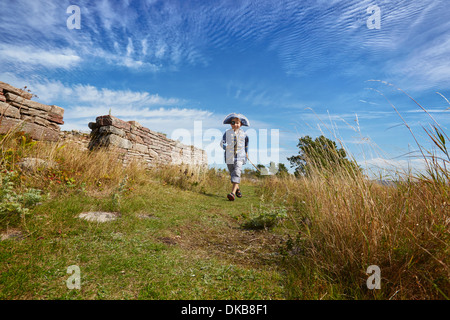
point(66, 166)
point(344, 222)
point(192, 177)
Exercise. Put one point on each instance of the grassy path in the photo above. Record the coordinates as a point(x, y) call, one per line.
point(167, 244)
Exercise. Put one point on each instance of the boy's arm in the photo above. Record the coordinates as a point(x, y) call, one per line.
point(223, 142)
point(246, 145)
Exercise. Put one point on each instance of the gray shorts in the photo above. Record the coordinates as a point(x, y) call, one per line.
point(235, 171)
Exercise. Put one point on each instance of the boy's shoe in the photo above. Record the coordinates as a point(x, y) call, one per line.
point(238, 193)
point(230, 196)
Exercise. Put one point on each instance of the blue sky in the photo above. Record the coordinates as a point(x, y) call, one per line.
point(301, 67)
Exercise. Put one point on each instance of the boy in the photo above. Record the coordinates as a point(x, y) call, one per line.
point(235, 144)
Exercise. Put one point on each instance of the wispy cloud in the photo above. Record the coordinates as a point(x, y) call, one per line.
point(87, 102)
point(394, 166)
point(33, 56)
point(155, 36)
point(92, 95)
point(139, 114)
point(427, 65)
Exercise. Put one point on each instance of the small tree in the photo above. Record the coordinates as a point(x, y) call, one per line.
point(322, 154)
point(282, 170)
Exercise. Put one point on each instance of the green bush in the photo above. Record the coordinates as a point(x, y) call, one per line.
point(264, 217)
point(12, 202)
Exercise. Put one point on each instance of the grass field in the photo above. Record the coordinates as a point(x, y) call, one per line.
point(168, 243)
point(178, 237)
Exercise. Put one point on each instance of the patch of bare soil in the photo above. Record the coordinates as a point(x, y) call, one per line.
point(239, 246)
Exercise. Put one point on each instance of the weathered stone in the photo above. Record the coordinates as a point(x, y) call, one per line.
point(131, 136)
point(135, 124)
point(152, 153)
point(32, 164)
point(113, 121)
point(99, 216)
point(93, 125)
point(138, 139)
point(147, 140)
point(141, 144)
point(33, 112)
point(53, 117)
point(37, 132)
point(41, 121)
point(8, 88)
point(46, 123)
point(8, 110)
point(11, 97)
point(57, 111)
point(53, 111)
point(113, 140)
point(146, 130)
point(27, 118)
point(112, 130)
point(140, 147)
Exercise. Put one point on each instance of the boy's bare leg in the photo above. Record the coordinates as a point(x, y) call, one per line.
point(235, 187)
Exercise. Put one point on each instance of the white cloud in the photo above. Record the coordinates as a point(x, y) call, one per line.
point(65, 58)
point(144, 46)
point(92, 95)
point(130, 47)
point(393, 167)
point(427, 65)
point(150, 36)
point(133, 113)
point(83, 103)
point(81, 98)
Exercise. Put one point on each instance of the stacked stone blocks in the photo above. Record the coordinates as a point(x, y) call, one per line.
point(130, 139)
point(18, 111)
point(135, 142)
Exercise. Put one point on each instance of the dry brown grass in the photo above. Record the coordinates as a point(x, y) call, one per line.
point(67, 165)
point(191, 177)
point(340, 222)
point(346, 222)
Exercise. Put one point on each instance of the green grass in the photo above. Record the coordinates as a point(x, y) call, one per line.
point(178, 237)
point(168, 243)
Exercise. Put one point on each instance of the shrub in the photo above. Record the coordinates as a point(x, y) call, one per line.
point(264, 217)
point(12, 202)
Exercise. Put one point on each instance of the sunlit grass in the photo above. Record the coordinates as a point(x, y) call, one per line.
point(178, 237)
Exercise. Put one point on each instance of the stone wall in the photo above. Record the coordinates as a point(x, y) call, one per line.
point(131, 140)
point(17, 110)
point(77, 138)
point(135, 142)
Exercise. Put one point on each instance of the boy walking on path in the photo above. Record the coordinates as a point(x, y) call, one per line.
point(235, 144)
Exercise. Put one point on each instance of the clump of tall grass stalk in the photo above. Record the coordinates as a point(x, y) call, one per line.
point(354, 222)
